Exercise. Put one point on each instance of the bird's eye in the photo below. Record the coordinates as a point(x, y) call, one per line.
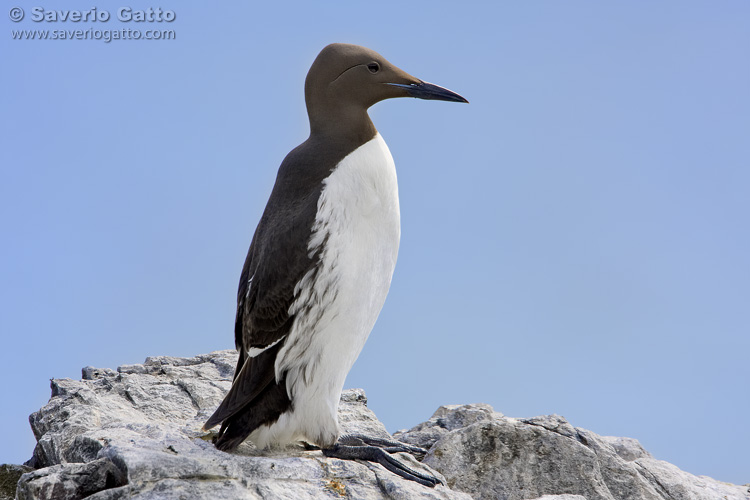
point(373, 67)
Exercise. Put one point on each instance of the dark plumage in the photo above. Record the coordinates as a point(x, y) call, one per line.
point(320, 265)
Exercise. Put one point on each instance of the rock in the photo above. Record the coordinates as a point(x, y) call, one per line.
point(91, 373)
point(9, 475)
point(136, 434)
point(447, 418)
point(71, 481)
point(562, 497)
point(628, 449)
point(490, 456)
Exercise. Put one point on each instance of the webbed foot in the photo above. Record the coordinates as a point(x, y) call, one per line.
point(372, 449)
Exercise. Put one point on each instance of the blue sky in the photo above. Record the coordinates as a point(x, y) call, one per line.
point(574, 241)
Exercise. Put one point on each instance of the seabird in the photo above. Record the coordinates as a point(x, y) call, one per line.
point(319, 267)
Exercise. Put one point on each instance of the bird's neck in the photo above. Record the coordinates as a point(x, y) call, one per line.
point(347, 123)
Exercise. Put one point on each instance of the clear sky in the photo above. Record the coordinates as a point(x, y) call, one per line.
point(574, 241)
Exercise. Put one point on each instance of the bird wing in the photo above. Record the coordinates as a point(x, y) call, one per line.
point(277, 260)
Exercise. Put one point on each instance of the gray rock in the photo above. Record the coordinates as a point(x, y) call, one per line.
point(675, 484)
point(91, 373)
point(562, 497)
point(491, 456)
point(136, 434)
point(628, 449)
point(70, 481)
point(445, 419)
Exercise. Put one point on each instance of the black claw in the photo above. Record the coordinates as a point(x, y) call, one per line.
point(398, 467)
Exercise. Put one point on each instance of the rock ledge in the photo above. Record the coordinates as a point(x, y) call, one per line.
point(135, 433)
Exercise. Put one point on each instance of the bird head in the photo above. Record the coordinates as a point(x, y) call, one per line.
point(347, 79)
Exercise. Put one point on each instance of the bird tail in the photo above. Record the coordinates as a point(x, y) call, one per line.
point(254, 399)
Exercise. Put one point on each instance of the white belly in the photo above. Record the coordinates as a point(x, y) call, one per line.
point(357, 230)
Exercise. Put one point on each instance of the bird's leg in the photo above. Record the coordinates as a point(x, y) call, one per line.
point(372, 449)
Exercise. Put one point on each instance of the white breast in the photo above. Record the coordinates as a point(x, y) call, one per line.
point(356, 232)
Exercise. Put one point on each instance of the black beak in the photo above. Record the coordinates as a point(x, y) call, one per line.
point(426, 90)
